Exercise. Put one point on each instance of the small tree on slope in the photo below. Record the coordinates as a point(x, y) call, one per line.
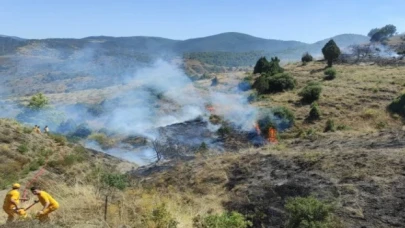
point(330, 52)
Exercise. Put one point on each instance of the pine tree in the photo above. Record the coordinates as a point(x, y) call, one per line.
point(260, 65)
point(330, 52)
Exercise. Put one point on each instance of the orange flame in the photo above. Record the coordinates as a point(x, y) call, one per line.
point(272, 135)
point(210, 108)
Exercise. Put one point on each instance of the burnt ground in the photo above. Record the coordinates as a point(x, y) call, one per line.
point(363, 176)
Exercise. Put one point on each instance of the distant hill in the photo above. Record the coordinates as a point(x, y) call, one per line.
point(315, 49)
point(224, 42)
point(63, 59)
point(13, 37)
point(234, 42)
point(286, 50)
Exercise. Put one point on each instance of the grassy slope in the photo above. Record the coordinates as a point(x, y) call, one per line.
point(360, 170)
point(357, 98)
point(357, 169)
point(68, 171)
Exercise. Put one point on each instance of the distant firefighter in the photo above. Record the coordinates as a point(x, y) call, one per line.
point(35, 129)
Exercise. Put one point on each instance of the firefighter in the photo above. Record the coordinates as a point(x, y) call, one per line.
point(46, 130)
point(48, 202)
point(35, 129)
point(11, 202)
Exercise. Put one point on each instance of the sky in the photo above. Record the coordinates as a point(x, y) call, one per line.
point(306, 21)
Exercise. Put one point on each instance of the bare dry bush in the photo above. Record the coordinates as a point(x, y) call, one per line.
point(171, 149)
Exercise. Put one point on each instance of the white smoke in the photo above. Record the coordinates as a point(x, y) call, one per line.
point(142, 156)
point(184, 100)
point(235, 109)
point(155, 96)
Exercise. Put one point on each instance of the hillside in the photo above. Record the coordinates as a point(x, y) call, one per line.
point(358, 168)
point(52, 163)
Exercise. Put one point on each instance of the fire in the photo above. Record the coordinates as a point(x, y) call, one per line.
point(272, 135)
point(210, 108)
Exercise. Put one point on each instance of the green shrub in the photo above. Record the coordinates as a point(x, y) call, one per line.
point(202, 148)
point(81, 152)
point(306, 57)
point(59, 139)
point(160, 218)
point(315, 112)
point(7, 178)
point(27, 130)
point(268, 69)
point(41, 161)
point(115, 180)
point(330, 73)
point(69, 160)
point(72, 159)
point(330, 126)
point(281, 82)
point(102, 140)
point(38, 101)
point(45, 153)
point(56, 164)
point(224, 131)
point(82, 131)
point(381, 125)
point(398, 105)
point(280, 118)
point(34, 165)
point(309, 212)
point(215, 119)
point(331, 52)
point(260, 65)
point(343, 128)
point(73, 139)
point(273, 67)
point(261, 84)
point(311, 92)
point(284, 113)
point(224, 220)
point(23, 148)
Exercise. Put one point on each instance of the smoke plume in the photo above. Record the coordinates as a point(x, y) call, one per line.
point(143, 96)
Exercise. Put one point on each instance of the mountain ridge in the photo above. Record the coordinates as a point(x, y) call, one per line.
point(234, 46)
point(212, 41)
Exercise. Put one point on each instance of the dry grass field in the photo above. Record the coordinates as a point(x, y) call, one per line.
point(357, 98)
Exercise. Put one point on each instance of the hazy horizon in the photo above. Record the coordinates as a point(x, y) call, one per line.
point(321, 38)
point(308, 21)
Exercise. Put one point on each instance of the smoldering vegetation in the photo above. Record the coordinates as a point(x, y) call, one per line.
point(152, 100)
point(374, 53)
